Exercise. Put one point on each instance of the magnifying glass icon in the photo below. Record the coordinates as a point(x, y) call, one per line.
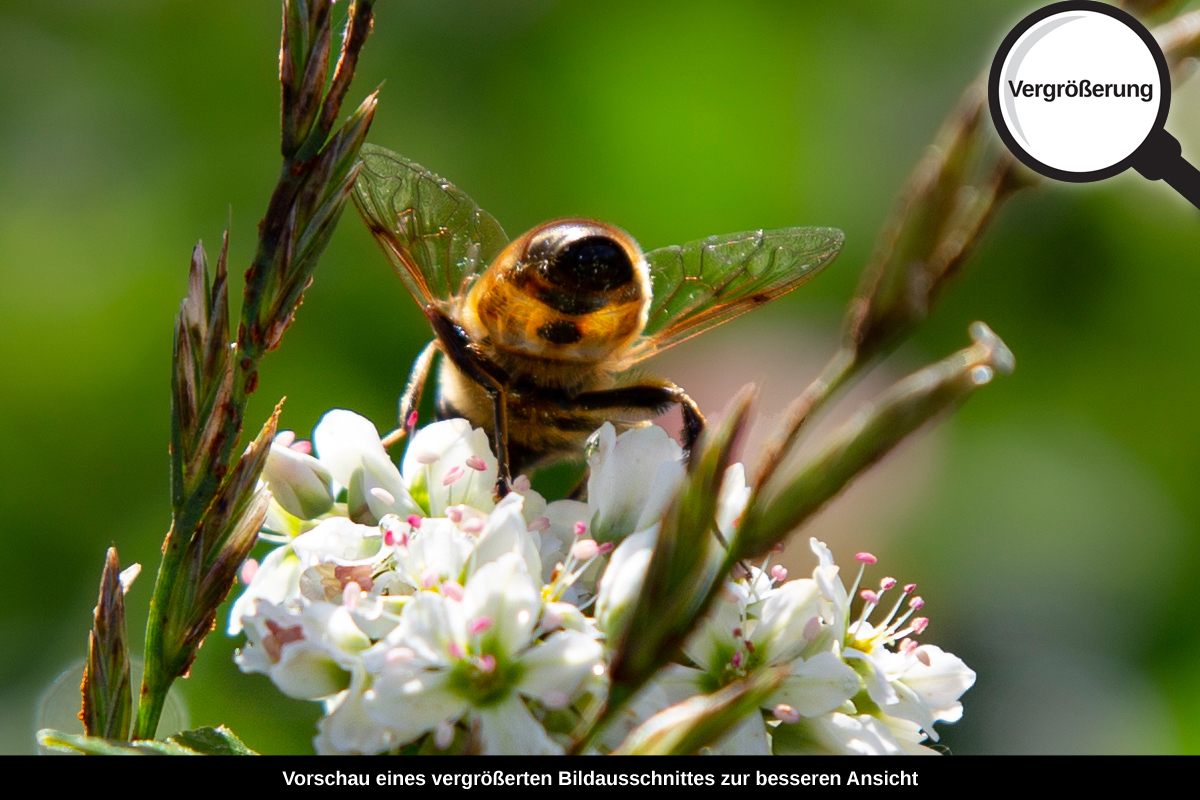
point(1080, 90)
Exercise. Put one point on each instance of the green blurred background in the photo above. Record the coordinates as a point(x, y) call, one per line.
point(1051, 523)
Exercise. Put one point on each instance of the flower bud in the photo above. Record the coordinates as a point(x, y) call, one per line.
point(300, 483)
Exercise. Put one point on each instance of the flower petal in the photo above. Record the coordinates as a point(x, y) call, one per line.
point(503, 592)
point(816, 686)
point(507, 728)
point(438, 450)
point(301, 484)
point(413, 701)
point(559, 665)
point(276, 580)
point(633, 478)
point(504, 531)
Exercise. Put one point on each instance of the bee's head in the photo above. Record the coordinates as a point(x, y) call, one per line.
point(569, 289)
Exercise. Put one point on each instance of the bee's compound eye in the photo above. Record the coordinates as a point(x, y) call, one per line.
point(591, 264)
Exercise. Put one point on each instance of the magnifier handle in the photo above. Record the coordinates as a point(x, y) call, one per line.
point(1161, 158)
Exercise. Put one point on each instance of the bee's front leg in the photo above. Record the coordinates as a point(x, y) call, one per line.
point(411, 399)
point(655, 397)
point(457, 346)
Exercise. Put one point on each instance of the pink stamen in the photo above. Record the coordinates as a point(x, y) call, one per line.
point(472, 525)
point(443, 735)
point(429, 578)
point(779, 573)
point(866, 558)
point(398, 655)
point(521, 484)
point(920, 624)
point(605, 548)
point(922, 656)
point(452, 590)
point(487, 664)
point(580, 529)
point(476, 463)
point(555, 700)
point(737, 633)
point(907, 646)
point(540, 524)
point(585, 550)
point(389, 538)
point(414, 520)
point(303, 446)
point(916, 603)
point(785, 713)
point(749, 646)
point(379, 493)
point(869, 596)
point(455, 514)
point(736, 661)
point(480, 625)
point(887, 583)
point(453, 476)
point(778, 548)
point(456, 650)
point(248, 570)
point(411, 422)
point(909, 588)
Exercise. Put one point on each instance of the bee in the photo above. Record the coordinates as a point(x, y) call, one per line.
point(539, 334)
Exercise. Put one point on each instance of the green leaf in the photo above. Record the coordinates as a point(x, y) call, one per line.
point(199, 742)
point(219, 741)
point(96, 746)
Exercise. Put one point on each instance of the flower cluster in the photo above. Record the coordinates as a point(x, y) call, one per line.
point(428, 617)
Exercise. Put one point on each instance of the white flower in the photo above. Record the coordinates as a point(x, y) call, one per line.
point(633, 478)
point(450, 463)
point(744, 633)
point(349, 446)
point(421, 610)
point(448, 658)
point(916, 683)
point(308, 652)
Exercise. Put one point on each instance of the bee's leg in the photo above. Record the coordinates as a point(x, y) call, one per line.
point(456, 345)
point(500, 415)
point(411, 399)
point(651, 397)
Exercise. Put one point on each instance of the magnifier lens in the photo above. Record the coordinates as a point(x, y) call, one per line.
point(1080, 91)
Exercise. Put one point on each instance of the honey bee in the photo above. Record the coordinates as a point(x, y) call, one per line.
point(539, 334)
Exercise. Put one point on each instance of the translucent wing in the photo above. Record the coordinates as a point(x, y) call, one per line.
point(701, 284)
point(434, 235)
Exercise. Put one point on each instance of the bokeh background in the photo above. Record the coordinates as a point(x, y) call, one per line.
point(1051, 524)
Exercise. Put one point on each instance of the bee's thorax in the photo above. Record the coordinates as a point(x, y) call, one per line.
point(567, 297)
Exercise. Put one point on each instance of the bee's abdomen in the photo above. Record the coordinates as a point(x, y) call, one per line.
point(543, 424)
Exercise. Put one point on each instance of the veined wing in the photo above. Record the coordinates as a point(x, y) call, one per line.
point(436, 237)
point(701, 284)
